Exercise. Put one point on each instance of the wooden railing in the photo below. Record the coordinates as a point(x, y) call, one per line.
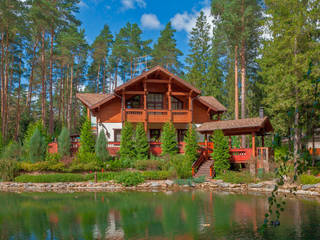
point(180, 116)
point(240, 155)
point(203, 157)
point(134, 115)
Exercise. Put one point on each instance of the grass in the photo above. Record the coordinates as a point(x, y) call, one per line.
point(308, 179)
point(236, 177)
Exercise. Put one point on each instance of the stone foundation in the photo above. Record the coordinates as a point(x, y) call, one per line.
point(165, 185)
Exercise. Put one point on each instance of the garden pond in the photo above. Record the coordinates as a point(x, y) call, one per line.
point(152, 215)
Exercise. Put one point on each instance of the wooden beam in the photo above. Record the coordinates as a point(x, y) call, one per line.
point(157, 81)
point(190, 107)
point(123, 102)
point(179, 93)
point(88, 114)
point(134, 92)
point(169, 100)
point(253, 144)
point(145, 105)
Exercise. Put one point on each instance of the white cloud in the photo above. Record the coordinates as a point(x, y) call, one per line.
point(130, 4)
point(150, 21)
point(186, 21)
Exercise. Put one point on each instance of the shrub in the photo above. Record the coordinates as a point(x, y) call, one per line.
point(115, 165)
point(49, 178)
point(182, 166)
point(141, 143)
point(42, 166)
point(53, 157)
point(236, 177)
point(130, 179)
point(169, 139)
point(220, 154)
point(86, 139)
point(127, 147)
point(8, 169)
point(101, 147)
point(37, 147)
point(147, 164)
point(191, 148)
point(309, 179)
point(12, 151)
point(84, 166)
point(64, 142)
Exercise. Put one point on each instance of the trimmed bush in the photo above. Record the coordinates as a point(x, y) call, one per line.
point(191, 148)
point(130, 179)
point(236, 177)
point(148, 164)
point(101, 147)
point(220, 154)
point(64, 142)
point(169, 142)
point(309, 179)
point(141, 143)
point(42, 166)
point(156, 175)
point(127, 146)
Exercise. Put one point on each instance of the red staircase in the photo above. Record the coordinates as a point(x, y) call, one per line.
point(203, 166)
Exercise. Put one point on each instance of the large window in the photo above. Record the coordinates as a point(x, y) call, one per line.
point(176, 103)
point(155, 101)
point(134, 102)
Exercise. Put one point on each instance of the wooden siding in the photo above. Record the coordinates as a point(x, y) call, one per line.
point(200, 113)
point(111, 111)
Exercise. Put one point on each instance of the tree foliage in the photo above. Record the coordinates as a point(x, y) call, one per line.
point(127, 146)
point(101, 147)
point(220, 154)
point(64, 143)
point(87, 140)
point(191, 147)
point(169, 143)
point(141, 143)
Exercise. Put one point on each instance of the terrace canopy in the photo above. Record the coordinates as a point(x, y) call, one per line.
point(248, 126)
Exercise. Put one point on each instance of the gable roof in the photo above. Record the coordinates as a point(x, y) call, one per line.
point(246, 126)
point(93, 100)
point(152, 70)
point(212, 103)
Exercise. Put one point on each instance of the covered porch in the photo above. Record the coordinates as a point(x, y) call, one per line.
point(255, 127)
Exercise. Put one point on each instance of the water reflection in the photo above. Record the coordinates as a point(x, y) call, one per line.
point(131, 215)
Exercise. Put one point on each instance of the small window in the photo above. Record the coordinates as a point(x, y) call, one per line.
point(117, 135)
point(155, 135)
point(176, 103)
point(134, 102)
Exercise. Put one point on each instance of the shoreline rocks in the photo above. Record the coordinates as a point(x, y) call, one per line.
point(159, 185)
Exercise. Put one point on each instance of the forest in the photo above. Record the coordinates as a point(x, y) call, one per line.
point(260, 54)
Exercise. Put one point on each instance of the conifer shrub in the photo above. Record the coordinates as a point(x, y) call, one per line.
point(64, 142)
point(87, 143)
point(220, 154)
point(37, 147)
point(141, 143)
point(169, 141)
point(182, 166)
point(191, 147)
point(101, 147)
point(127, 146)
point(9, 161)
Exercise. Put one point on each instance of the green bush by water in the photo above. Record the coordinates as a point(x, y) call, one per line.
point(236, 177)
point(309, 179)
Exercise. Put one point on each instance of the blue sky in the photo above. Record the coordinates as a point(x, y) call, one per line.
point(150, 15)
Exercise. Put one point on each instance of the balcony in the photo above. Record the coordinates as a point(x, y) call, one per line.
point(157, 115)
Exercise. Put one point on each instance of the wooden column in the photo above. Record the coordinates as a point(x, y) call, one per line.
point(123, 105)
point(169, 100)
point(145, 105)
point(253, 144)
point(88, 114)
point(206, 140)
point(190, 107)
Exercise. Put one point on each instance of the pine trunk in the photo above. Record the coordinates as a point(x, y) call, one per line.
point(29, 96)
point(51, 122)
point(104, 77)
point(60, 93)
point(243, 72)
point(98, 78)
point(236, 84)
point(2, 75)
point(43, 80)
point(18, 104)
point(5, 90)
point(70, 97)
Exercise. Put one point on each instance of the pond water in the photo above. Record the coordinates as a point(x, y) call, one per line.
point(151, 215)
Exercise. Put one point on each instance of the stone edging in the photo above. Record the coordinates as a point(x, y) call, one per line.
point(164, 185)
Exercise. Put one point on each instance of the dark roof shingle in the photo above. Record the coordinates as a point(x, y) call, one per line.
point(213, 103)
point(92, 100)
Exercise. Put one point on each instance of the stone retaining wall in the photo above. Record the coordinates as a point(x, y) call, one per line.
point(165, 185)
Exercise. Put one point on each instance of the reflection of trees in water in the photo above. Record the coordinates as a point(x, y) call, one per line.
point(183, 215)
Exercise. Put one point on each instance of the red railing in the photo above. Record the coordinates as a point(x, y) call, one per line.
point(240, 155)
